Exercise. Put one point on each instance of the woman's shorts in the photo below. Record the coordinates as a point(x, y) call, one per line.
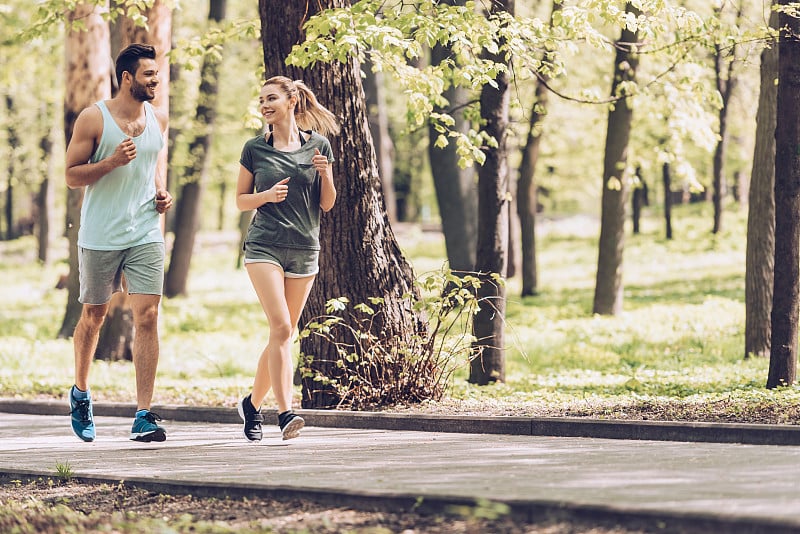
point(101, 271)
point(295, 262)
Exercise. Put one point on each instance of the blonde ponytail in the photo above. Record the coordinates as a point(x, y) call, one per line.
point(309, 113)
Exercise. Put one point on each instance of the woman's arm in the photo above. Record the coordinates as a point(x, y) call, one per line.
point(247, 199)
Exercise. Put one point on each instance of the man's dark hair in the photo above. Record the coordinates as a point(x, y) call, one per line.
point(128, 59)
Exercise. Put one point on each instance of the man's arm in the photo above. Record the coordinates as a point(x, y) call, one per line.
point(85, 137)
point(163, 197)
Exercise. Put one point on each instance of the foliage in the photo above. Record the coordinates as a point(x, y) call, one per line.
point(64, 471)
point(393, 36)
point(374, 369)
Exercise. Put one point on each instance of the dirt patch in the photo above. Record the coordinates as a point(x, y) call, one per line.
point(51, 506)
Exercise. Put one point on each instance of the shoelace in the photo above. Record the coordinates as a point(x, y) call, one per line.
point(82, 407)
point(255, 417)
point(152, 417)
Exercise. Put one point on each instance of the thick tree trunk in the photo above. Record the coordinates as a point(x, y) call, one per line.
point(786, 288)
point(360, 257)
point(87, 63)
point(609, 285)
point(488, 359)
point(379, 128)
point(760, 255)
point(187, 220)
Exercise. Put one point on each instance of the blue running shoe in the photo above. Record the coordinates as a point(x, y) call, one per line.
point(81, 415)
point(145, 428)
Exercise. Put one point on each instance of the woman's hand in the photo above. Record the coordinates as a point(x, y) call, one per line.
point(278, 192)
point(320, 163)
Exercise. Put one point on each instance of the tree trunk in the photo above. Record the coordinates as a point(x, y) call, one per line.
point(666, 176)
point(488, 359)
point(726, 81)
point(760, 255)
point(187, 220)
point(639, 201)
point(527, 199)
point(360, 257)
point(13, 141)
point(87, 63)
point(609, 285)
point(379, 128)
point(783, 350)
point(45, 198)
point(456, 194)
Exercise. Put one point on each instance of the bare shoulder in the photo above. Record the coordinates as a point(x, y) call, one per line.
point(90, 122)
point(163, 118)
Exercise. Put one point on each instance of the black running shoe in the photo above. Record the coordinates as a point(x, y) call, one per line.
point(290, 424)
point(252, 419)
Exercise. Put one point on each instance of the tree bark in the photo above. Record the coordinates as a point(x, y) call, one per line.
point(87, 66)
point(609, 284)
point(360, 257)
point(760, 254)
point(786, 288)
point(187, 219)
point(488, 359)
point(639, 201)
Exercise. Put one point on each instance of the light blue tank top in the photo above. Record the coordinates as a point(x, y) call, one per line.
point(119, 210)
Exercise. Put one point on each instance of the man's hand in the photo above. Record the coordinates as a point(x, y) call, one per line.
point(124, 153)
point(163, 201)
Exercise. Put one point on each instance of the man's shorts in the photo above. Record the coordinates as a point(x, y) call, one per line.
point(295, 262)
point(101, 272)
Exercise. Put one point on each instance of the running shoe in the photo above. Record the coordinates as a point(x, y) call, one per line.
point(145, 428)
point(290, 424)
point(252, 419)
point(82, 416)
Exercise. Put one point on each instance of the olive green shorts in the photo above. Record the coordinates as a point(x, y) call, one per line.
point(295, 262)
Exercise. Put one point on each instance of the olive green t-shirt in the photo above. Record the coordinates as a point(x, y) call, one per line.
point(293, 223)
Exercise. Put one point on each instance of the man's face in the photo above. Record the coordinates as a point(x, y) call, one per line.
point(143, 84)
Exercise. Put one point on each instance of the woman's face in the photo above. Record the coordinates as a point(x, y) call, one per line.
point(274, 105)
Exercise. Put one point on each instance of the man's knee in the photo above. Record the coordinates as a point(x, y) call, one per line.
point(93, 315)
point(146, 316)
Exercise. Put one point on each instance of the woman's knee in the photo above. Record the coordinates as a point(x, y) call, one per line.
point(281, 332)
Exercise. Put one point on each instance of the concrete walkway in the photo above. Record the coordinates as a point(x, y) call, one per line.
point(668, 485)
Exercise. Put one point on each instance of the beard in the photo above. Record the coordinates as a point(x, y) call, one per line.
point(139, 92)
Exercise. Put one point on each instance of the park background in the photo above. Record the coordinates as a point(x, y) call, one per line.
point(675, 350)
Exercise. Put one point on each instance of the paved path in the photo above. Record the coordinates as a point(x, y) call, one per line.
point(753, 485)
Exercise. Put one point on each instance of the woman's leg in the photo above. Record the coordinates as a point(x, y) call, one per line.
point(282, 300)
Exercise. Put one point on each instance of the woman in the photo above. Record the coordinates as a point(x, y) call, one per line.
point(286, 175)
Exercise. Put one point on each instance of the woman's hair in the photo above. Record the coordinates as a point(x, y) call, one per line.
point(309, 113)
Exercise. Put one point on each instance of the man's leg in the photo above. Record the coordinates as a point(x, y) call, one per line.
point(145, 346)
point(84, 340)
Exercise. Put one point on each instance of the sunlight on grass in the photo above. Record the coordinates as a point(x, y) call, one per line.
point(680, 338)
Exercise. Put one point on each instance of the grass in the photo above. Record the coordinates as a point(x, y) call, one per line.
point(677, 351)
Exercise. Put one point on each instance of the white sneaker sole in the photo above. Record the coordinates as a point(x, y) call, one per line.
point(293, 427)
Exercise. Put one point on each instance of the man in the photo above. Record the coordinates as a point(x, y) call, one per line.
point(113, 153)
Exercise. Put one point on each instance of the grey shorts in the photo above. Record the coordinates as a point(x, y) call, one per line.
point(295, 262)
point(101, 272)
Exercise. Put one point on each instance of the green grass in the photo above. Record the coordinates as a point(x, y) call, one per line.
point(679, 341)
